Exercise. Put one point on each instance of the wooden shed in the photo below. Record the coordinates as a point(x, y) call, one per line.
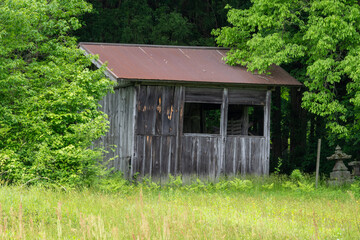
point(182, 110)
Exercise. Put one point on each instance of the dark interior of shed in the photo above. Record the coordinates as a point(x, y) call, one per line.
point(205, 118)
point(202, 118)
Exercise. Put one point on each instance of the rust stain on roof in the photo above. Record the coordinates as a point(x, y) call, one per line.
point(173, 63)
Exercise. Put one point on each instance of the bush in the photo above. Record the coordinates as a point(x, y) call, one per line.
point(48, 94)
point(298, 182)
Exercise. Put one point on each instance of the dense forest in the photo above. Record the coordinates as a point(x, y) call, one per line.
point(295, 130)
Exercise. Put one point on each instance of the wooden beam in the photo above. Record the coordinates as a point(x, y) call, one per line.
point(204, 95)
point(245, 121)
point(247, 96)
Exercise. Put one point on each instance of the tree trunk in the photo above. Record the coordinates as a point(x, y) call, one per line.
point(298, 128)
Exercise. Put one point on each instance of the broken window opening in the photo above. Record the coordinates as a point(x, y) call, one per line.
point(202, 118)
point(245, 120)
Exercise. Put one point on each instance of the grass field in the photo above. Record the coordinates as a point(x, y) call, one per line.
point(259, 211)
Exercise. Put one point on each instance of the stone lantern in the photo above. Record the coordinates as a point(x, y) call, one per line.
point(356, 168)
point(340, 173)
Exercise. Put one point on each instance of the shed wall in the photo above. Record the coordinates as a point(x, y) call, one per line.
point(161, 147)
point(120, 108)
point(157, 123)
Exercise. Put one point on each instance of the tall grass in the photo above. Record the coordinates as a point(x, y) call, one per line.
point(197, 211)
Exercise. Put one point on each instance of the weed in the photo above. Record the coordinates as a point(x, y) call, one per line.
point(196, 211)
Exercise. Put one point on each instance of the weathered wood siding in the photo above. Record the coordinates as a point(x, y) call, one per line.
point(200, 155)
point(157, 123)
point(155, 156)
point(244, 155)
point(120, 108)
point(161, 148)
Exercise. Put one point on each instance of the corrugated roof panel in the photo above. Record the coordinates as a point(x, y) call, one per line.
point(173, 63)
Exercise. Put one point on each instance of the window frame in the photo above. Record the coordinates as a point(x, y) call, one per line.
point(226, 97)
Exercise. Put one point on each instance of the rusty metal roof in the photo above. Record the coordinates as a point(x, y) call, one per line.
point(174, 63)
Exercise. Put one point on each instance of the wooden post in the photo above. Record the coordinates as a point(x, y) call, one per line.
point(317, 163)
point(267, 111)
point(179, 98)
point(223, 131)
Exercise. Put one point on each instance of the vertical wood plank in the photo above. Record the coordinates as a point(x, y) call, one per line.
point(158, 92)
point(267, 110)
point(133, 121)
point(140, 108)
point(238, 150)
point(193, 164)
point(150, 116)
point(234, 161)
point(168, 111)
point(220, 165)
point(116, 123)
point(179, 98)
point(243, 156)
point(218, 144)
point(112, 133)
point(262, 156)
point(204, 156)
point(186, 154)
point(148, 156)
point(129, 129)
point(124, 125)
point(249, 159)
point(166, 149)
point(172, 156)
point(256, 163)
point(156, 156)
point(229, 155)
point(197, 156)
point(139, 163)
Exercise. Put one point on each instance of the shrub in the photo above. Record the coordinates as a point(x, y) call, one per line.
point(49, 95)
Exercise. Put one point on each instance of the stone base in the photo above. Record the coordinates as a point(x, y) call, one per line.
point(340, 182)
point(340, 175)
point(338, 178)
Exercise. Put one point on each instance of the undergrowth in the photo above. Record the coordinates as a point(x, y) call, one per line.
point(274, 207)
point(297, 184)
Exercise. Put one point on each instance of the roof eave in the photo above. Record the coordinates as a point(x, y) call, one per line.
point(207, 83)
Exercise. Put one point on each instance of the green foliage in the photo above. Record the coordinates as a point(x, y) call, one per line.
point(299, 182)
point(170, 28)
point(114, 183)
point(268, 186)
point(148, 184)
point(134, 21)
point(48, 94)
point(296, 175)
point(241, 185)
point(355, 187)
point(320, 37)
point(278, 167)
point(36, 212)
point(155, 22)
point(174, 182)
point(198, 186)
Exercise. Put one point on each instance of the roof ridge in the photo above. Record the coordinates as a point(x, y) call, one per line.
point(154, 46)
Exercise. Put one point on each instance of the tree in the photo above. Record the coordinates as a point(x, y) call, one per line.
point(319, 40)
point(48, 94)
point(155, 21)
